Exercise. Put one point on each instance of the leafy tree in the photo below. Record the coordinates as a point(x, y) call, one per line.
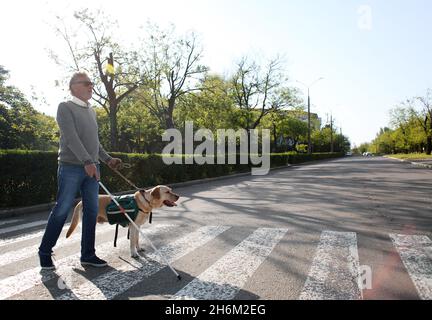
point(21, 126)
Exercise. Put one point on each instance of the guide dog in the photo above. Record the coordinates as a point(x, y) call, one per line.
point(146, 200)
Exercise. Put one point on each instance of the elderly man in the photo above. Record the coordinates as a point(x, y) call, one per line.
point(78, 170)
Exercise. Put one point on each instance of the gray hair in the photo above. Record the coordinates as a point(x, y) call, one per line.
point(75, 76)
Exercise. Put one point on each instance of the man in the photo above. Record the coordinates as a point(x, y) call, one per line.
point(78, 170)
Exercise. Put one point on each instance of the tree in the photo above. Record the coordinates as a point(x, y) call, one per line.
point(172, 69)
point(94, 54)
point(212, 108)
point(255, 91)
point(383, 143)
point(423, 114)
point(21, 126)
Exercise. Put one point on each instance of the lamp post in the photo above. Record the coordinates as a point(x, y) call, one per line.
point(309, 120)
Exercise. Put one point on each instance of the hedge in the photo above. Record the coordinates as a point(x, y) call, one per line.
point(30, 177)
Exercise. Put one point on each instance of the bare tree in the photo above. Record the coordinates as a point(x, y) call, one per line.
point(91, 51)
point(256, 91)
point(173, 70)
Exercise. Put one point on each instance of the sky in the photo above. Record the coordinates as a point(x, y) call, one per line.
point(372, 54)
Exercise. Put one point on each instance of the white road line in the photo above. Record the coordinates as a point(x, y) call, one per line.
point(334, 274)
point(26, 252)
point(224, 279)
point(111, 284)
point(28, 236)
point(64, 267)
point(23, 226)
point(9, 221)
point(416, 254)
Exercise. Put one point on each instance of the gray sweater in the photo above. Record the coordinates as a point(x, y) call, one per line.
point(79, 139)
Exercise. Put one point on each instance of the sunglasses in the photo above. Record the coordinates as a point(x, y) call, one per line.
point(85, 83)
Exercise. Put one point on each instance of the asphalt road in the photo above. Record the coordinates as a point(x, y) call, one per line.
point(353, 228)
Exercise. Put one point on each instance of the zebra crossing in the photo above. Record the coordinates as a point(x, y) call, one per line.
point(334, 271)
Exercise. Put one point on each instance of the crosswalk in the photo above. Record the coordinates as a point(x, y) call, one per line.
point(334, 268)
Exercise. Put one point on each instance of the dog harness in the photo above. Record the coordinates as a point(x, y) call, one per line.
point(115, 216)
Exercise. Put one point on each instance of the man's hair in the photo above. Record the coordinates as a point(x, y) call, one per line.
point(75, 76)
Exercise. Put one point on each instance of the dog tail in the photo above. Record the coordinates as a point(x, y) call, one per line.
point(75, 219)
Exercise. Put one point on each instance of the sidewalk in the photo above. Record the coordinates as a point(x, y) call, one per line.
point(418, 163)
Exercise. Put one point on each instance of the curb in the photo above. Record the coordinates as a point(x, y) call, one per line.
point(12, 212)
point(418, 164)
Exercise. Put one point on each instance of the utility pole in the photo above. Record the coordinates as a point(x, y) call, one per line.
point(309, 115)
point(309, 126)
point(331, 133)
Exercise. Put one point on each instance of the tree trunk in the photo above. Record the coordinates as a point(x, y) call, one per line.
point(113, 128)
point(275, 146)
point(169, 121)
point(429, 145)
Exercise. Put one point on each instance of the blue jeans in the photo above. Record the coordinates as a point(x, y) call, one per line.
point(72, 179)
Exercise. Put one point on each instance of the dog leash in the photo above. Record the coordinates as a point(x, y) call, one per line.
point(126, 179)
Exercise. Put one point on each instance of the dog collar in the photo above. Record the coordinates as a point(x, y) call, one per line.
point(142, 197)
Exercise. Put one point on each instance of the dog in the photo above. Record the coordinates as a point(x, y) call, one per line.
point(146, 200)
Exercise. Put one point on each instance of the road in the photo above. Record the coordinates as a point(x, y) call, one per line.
point(352, 228)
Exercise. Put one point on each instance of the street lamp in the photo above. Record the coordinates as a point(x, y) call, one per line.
point(309, 122)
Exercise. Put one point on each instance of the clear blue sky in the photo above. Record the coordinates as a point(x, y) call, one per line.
point(368, 68)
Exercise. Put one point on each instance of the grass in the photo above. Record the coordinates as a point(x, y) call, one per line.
point(411, 156)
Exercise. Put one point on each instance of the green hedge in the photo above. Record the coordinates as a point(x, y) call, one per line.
point(30, 177)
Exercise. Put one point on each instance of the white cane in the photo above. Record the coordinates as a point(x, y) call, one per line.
point(142, 233)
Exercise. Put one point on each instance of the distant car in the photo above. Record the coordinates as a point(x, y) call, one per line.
point(367, 154)
point(349, 153)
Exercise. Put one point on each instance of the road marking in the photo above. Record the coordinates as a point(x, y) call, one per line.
point(27, 236)
point(416, 255)
point(224, 279)
point(9, 221)
point(115, 282)
point(64, 267)
point(26, 252)
point(23, 226)
point(334, 273)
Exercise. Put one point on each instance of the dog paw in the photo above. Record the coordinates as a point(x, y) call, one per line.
point(135, 254)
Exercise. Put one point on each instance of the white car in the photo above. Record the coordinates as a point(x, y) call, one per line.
point(367, 154)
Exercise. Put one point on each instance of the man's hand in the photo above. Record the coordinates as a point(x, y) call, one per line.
point(92, 171)
point(115, 163)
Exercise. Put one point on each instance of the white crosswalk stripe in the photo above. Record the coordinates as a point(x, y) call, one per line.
point(2, 223)
point(26, 252)
point(23, 226)
point(334, 273)
point(25, 237)
point(416, 254)
point(226, 277)
point(117, 281)
point(64, 267)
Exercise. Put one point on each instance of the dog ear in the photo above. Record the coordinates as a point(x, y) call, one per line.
point(156, 193)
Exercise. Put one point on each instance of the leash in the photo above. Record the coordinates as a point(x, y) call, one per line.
point(138, 229)
point(126, 179)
